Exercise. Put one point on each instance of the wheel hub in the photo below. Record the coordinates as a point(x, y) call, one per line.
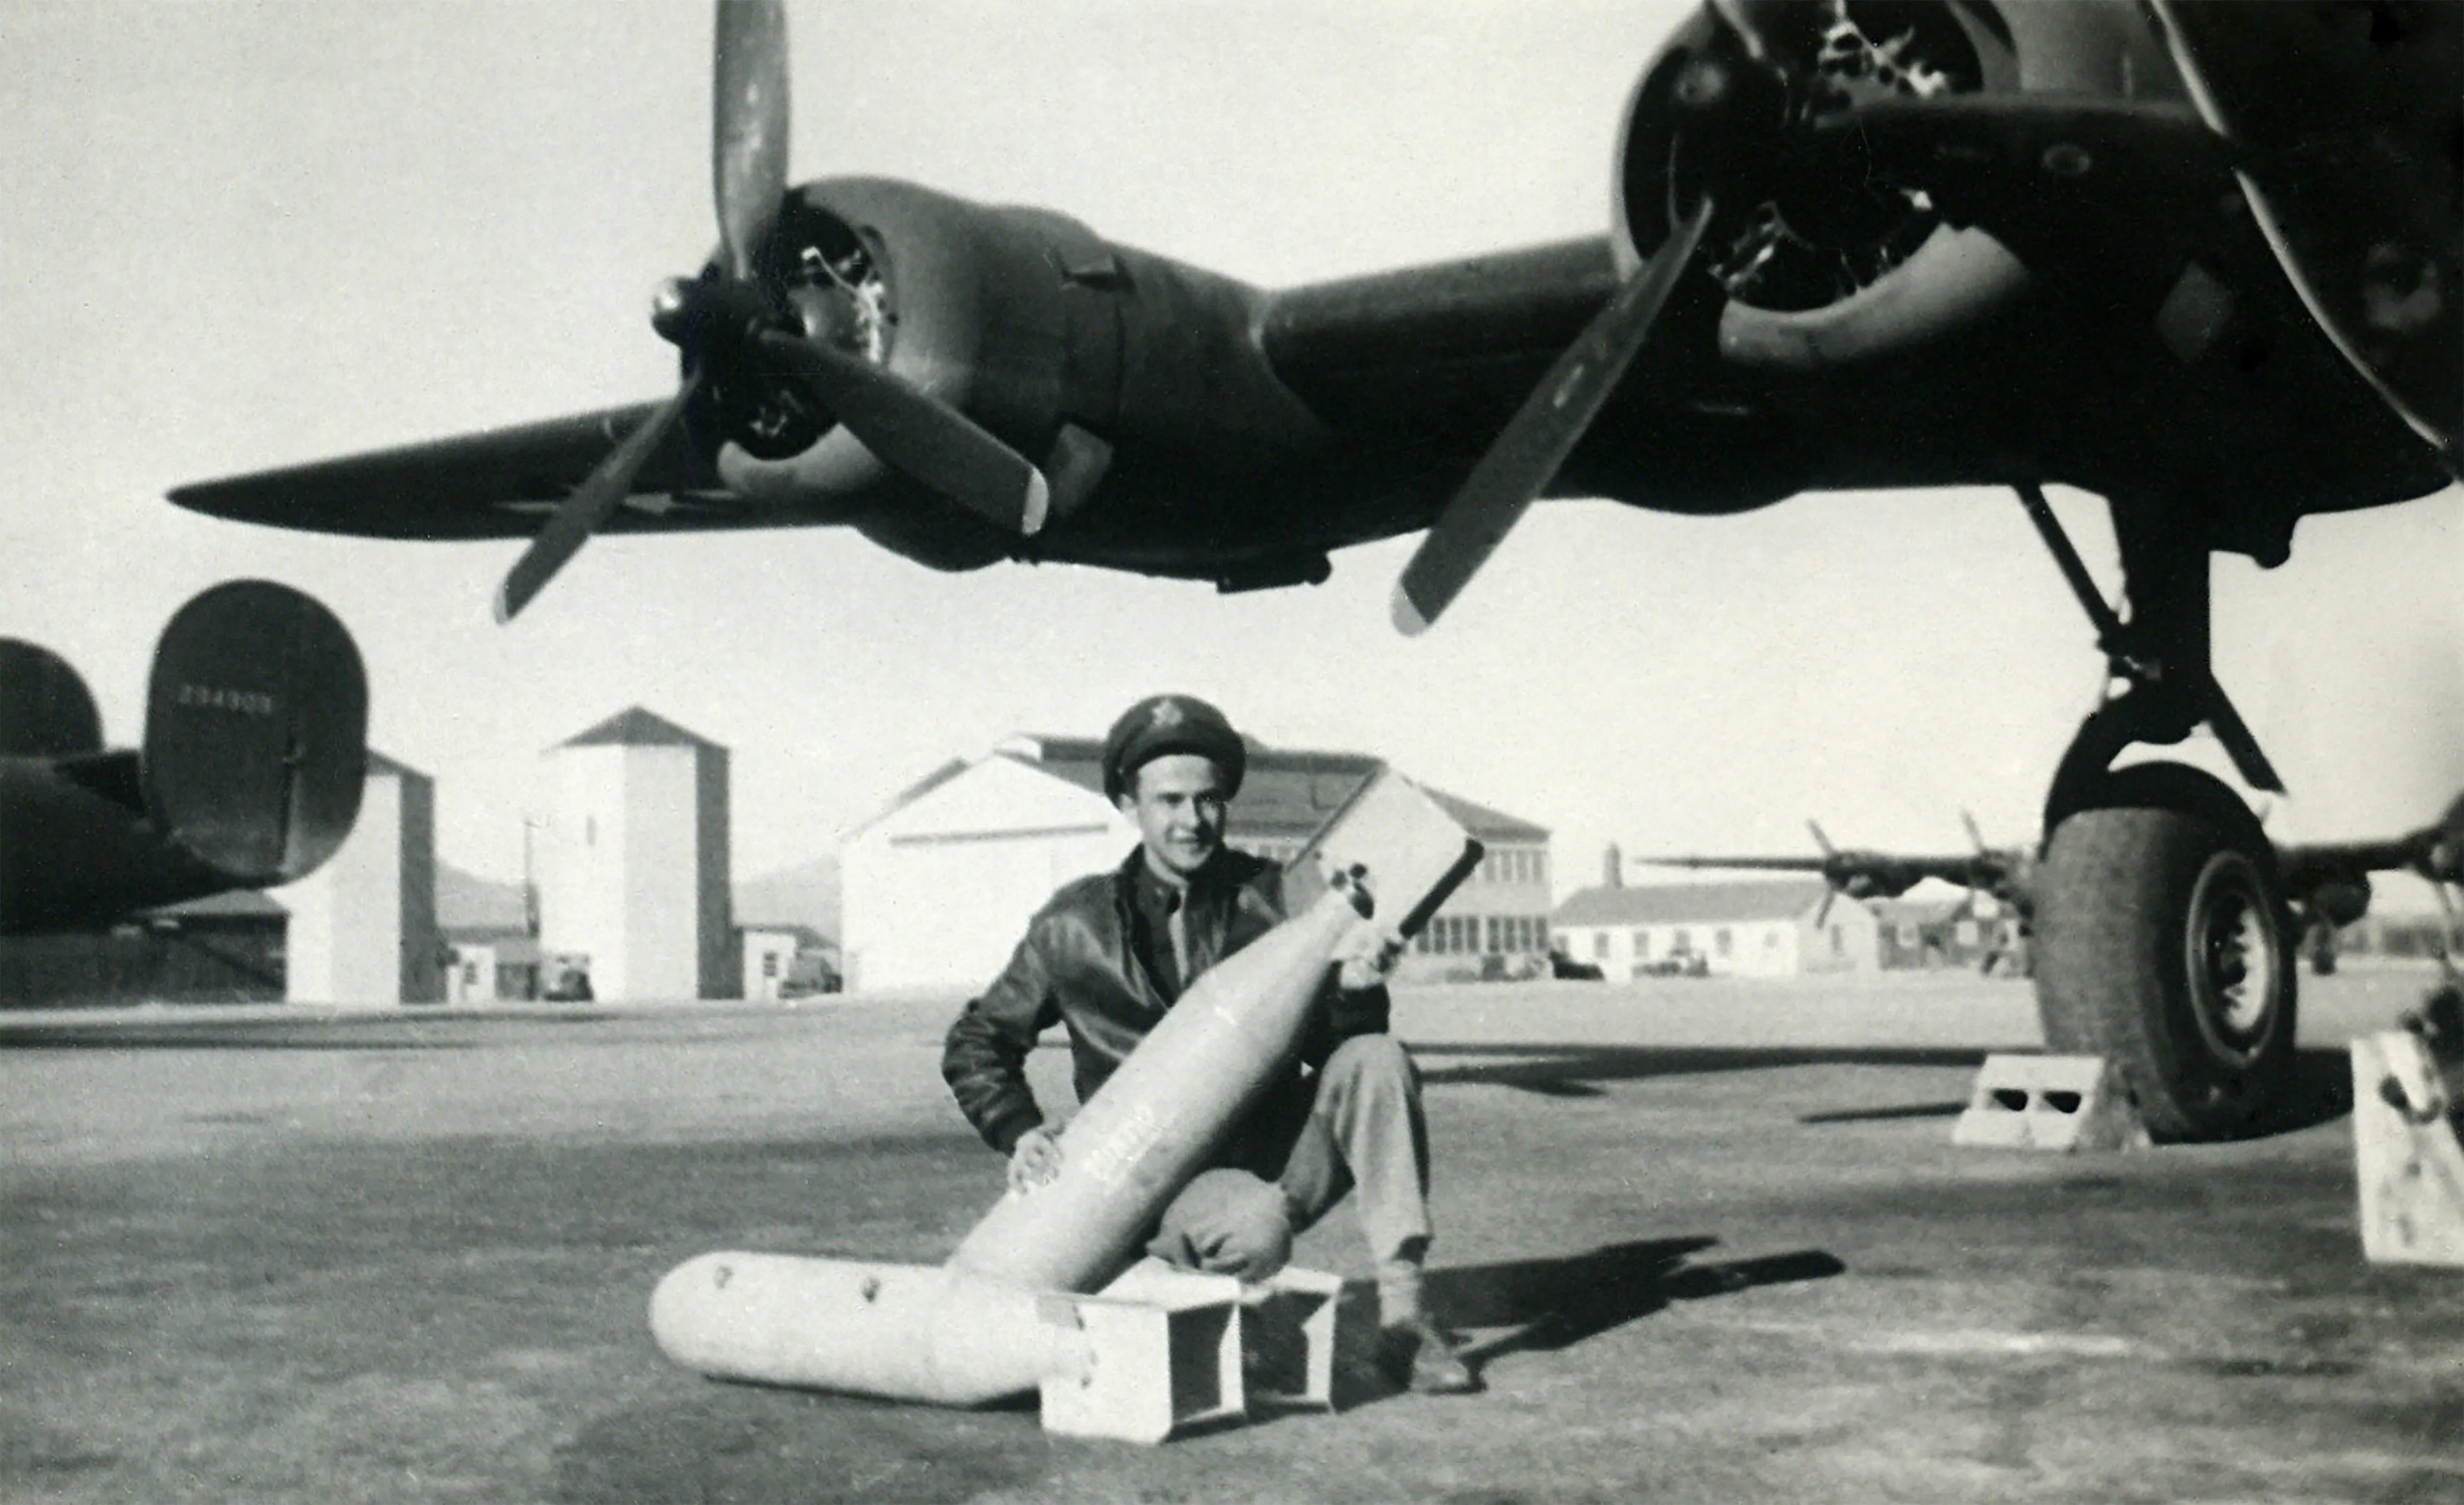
point(2232, 955)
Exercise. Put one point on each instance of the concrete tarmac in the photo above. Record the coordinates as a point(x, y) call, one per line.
point(1710, 1240)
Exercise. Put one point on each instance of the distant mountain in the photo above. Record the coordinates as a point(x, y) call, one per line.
point(469, 901)
point(806, 895)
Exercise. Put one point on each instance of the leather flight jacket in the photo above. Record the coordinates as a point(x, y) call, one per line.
point(1079, 966)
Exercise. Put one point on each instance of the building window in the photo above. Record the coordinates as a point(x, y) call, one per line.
point(1680, 943)
point(1838, 941)
point(1722, 942)
point(1599, 943)
point(770, 963)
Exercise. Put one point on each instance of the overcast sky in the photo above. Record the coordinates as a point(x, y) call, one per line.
point(239, 235)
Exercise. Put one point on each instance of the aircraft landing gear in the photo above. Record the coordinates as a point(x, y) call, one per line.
point(2162, 939)
point(2161, 944)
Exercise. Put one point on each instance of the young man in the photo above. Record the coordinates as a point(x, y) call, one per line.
point(1110, 953)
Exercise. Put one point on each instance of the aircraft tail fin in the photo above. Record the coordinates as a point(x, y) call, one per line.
point(45, 708)
point(255, 731)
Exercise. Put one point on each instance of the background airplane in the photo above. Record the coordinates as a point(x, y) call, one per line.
point(2327, 884)
point(2192, 256)
point(247, 775)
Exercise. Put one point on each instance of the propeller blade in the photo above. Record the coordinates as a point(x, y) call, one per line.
point(1974, 834)
point(748, 134)
point(1823, 914)
point(581, 512)
point(1527, 454)
point(1820, 839)
point(918, 435)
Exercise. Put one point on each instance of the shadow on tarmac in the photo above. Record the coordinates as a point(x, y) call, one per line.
point(2318, 1090)
point(1575, 1071)
point(1550, 1303)
point(430, 1032)
point(1902, 1110)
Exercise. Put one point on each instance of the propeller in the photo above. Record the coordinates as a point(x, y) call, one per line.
point(1830, 889)
point(731, 317)
point(1551, 421)
point(1729, 102)
point(581, 514)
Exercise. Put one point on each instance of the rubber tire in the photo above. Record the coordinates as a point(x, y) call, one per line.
point(2118, 963)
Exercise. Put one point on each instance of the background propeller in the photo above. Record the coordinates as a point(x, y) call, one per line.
point(732, 318)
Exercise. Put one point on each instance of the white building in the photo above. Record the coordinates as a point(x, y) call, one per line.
point(634, 862)
point(363, 931)
point(1766, 928)
point(939, 887)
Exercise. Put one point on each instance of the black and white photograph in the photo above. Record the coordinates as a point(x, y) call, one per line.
point(824, 750)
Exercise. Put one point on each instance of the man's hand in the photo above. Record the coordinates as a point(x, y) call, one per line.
point(1036, 1158)
point(1365, 956)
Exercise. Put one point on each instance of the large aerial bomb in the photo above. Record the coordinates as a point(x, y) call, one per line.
point(967, 1333)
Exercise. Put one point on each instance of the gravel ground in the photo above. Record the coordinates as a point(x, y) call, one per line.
point(1710, 1240)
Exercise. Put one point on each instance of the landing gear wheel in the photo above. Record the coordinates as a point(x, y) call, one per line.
point(2166, 946)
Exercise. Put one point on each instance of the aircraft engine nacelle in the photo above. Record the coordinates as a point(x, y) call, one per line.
point(1060, 343)
point(1828, 263)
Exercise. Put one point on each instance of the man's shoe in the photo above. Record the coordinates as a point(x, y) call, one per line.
point(1431, 1365)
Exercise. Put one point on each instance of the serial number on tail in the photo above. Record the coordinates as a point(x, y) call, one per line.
point(214, 697)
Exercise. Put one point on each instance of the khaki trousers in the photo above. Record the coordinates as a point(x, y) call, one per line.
point(1357, 1124)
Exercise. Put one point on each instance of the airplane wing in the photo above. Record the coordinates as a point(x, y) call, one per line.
point(1871, 875)
point(1426, 359)
point(500, 483)
point(2435, 852)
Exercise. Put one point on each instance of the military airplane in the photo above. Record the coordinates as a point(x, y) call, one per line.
point(2004, 872)
point(2199, 257)
point(248, 775)
point(2327, 884)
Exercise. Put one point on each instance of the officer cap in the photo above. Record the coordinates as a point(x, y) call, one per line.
point(1162, 724)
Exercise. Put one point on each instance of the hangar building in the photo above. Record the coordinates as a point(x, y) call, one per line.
point(633, 866)
point(939, 887)
point(1763, 928)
